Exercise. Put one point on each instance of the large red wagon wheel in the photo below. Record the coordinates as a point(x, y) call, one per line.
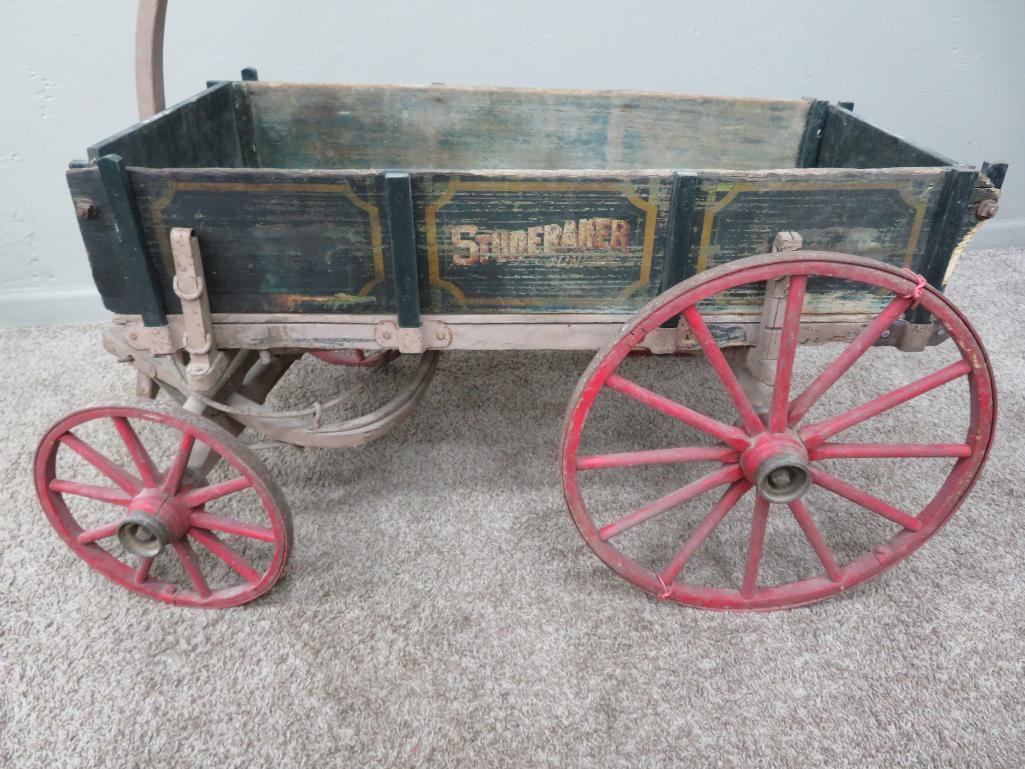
point(778, 454)
point(124, 518)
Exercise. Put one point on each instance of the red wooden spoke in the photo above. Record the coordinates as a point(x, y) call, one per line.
point(722, 476)
point(658, 457)
point(863, 499)
point(752, 422)
point(815, 539)
point(962, 458)
point(125, 480)
point(888, 450)
point(811, 394)
point(202, 495)
point(165, 501)
point(778, 411)
point(190, 561)
point(89, 491)
point(816, 433)
point(754, 547)
point(726, 503)
point(211, 522)
point(143, 462)
point(731, 436)
point(100, 532)
point(210, 541)
point(173, 479)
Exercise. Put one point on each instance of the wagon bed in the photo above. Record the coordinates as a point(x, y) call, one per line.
point(545, 208)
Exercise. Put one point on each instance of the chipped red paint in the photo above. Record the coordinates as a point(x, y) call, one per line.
point(746, 445)
point(355, 357)
point(173, 497)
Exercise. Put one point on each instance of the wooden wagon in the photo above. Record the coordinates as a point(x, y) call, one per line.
point(258, 222)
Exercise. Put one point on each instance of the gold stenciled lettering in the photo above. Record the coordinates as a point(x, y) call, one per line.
point(475, 245)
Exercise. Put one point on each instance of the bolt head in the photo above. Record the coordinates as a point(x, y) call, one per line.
point(86, 209)
point(986, 209)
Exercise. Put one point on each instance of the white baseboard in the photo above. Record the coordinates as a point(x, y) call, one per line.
point(1008, 233)
point(41, 307)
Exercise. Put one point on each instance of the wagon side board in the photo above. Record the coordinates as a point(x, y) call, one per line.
point(446, 127)
point(297, 244)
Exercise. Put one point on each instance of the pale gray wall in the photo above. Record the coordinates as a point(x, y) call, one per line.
point(945, 73)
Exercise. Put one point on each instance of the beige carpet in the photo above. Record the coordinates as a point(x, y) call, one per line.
point(441, 609)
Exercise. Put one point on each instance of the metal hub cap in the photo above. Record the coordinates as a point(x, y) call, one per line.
point(143, 535)
point(155, 519)
point(783, 478)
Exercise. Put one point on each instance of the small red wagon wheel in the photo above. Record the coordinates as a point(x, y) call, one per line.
point(137, 519)
point(355, 357)
point(779, 454)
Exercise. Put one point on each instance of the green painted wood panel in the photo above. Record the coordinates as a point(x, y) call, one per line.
point(446, 128)
point(200, 132)
point(543, 243)
point(849, 141)
point(297, 241)
point(275, 241)
point(886, 215)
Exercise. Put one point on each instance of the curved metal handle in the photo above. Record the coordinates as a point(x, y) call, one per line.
point(149, 57)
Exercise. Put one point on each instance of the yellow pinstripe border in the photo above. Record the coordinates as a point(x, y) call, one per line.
point(157, 206)
point(918, 205)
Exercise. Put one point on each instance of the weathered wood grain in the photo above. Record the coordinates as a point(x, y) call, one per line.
point(449, 128)
point(200, 132)
point(274, 241)
point(848, 141)
point(884, 214)
point(535, 331)
point(299, 241)
point(568, 242)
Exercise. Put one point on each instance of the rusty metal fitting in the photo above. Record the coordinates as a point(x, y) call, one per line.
point(986, 209)
point(86, 209)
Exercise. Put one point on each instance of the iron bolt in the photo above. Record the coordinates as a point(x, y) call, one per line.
point(86, 209)
point(986, 209)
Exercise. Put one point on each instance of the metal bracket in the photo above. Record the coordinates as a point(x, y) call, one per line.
point(787, 241)
point(912, 337)
point(433, 334)
point(206, 364)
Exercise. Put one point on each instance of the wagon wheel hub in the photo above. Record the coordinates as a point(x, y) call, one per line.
point(777, 463)
point(155, 519)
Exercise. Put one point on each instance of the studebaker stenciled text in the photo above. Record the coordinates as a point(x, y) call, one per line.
point(573, 240)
